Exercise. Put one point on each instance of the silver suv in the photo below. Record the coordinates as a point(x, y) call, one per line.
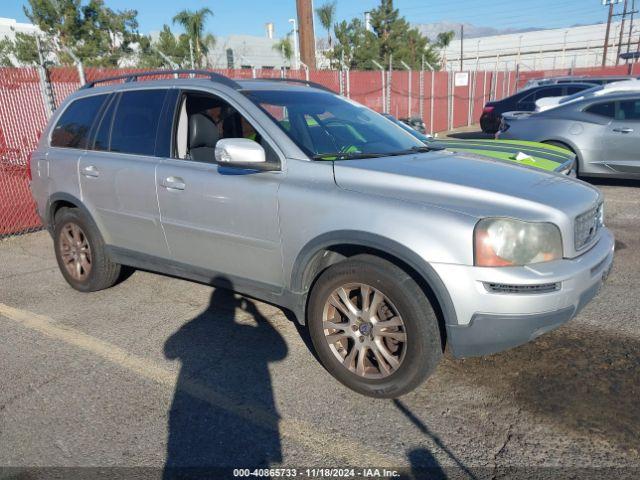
point(294, 195)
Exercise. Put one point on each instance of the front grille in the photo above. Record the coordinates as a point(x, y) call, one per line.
point(522, 289)
point(586, 227)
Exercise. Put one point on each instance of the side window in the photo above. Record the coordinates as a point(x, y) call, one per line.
point(604, 109)
point(135, 123)
point(202, 120)
point(74, 125)
point(628, 110)
point(549, 92)
point(573, 89)
point(103, 129)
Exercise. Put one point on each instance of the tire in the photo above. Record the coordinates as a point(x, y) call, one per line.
point(96, 271)
point(416, 357)
point(574, 171)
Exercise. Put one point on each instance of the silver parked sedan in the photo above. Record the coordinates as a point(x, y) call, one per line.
point(602, 129)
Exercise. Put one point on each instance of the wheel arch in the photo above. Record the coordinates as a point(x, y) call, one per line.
point(59, 200)
point(330, 248)
point(569, 145)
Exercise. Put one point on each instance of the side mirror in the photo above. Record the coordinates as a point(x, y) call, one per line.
point(240, 152)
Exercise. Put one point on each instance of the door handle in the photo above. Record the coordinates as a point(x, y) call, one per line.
point(173, 183)
point(623, 130)
point(90, 171)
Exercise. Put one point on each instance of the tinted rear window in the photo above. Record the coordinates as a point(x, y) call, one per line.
point(72, 129)
point(136, 122)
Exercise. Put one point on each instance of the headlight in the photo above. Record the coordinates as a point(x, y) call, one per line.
point(502, 242)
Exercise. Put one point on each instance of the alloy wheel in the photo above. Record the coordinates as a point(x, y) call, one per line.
point(75, 251)
point(364, 330)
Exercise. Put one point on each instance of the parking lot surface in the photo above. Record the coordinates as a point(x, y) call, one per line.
point(161, 371)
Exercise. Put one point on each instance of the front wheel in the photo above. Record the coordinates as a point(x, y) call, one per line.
point(373, 327)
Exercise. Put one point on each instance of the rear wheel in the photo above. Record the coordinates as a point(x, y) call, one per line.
point(80, 252)
point(373, 328)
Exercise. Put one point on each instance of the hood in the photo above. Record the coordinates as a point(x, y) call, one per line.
point(547, 103)
point(472, 185)
point(533, 154)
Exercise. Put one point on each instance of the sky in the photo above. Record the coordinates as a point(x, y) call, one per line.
point(249, 16)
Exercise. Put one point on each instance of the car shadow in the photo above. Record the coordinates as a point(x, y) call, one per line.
point(582, 378)
point(224, 354)
point(423, 463)
point(612, 182)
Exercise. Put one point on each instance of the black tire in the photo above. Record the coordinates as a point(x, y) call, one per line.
point(574, 171)
point(423, 339)
point(103, 272)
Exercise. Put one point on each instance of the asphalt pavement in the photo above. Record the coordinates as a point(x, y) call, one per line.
point(160, 372)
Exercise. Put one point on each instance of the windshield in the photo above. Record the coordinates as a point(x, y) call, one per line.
point(329, 127)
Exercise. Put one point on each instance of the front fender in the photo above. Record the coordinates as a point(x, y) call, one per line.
point(299, 283)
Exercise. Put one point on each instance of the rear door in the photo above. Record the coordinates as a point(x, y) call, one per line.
point(622, 137)
point(117, 172)
point(69, 139)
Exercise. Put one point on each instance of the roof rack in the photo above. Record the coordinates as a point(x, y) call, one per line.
point(133, 77)
point(296, 80)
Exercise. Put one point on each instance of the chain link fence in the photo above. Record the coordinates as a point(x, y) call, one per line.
point(444, 100)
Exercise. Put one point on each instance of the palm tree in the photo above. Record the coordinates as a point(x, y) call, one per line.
point(326, 14)
point(284, 47)
point(442, 41)
point(193, 24)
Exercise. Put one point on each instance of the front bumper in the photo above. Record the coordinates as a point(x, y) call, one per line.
point(490, 322)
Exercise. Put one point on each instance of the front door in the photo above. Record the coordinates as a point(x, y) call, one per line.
point(220, 219)
point(622, 138)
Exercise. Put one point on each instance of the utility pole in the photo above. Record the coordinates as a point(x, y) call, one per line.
point(633, 11)
point(461, 47)
point(624, 16)
point(608, 31)
point(305, 33)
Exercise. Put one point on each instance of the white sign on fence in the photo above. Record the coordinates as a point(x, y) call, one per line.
point(461, 79)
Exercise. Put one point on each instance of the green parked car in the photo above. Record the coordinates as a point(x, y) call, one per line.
point(533, 154)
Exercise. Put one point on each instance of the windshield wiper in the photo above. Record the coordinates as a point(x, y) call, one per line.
point(346, 156)
point(408, 151)
point(356, 155)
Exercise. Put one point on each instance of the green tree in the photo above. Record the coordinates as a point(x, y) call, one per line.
point(94, 33)
point(443, 40)
point(355, 47)
point(397, 38)
point(193, 24)
point(284, 47)
point(176, 48)
point(392, 38)
point(20, 51)
point(326, 14)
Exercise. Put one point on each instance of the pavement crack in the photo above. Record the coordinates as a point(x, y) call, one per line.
point(31, 388)
point(505, 443)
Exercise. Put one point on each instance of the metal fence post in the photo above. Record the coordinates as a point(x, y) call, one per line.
point(421, 90)
point(432, 101)
point(472, 87)
point(347, 75)
point(450, 98)
point(389, 79)
point(45, 85)
point(383, 85)
point(408, 68)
